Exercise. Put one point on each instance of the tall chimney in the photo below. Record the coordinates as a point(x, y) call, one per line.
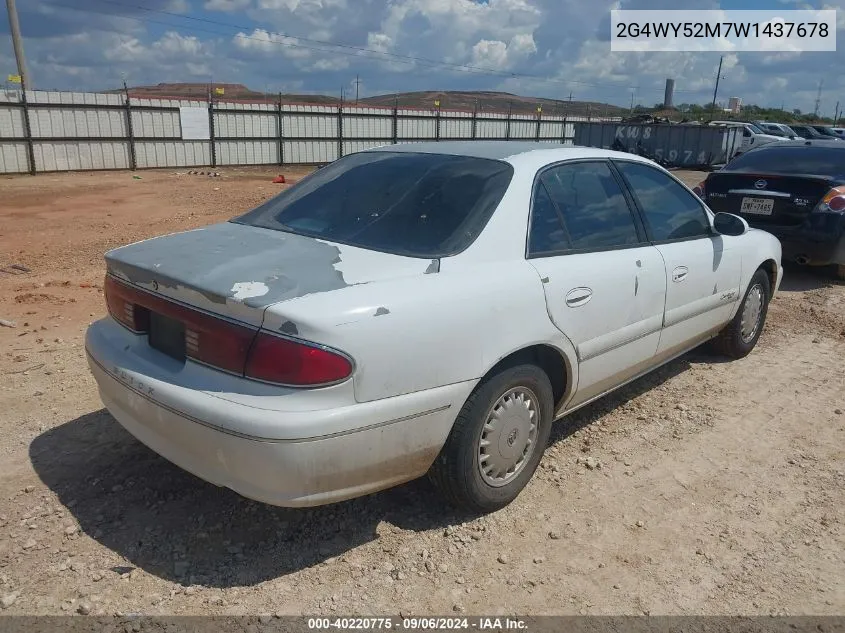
point(669, 94)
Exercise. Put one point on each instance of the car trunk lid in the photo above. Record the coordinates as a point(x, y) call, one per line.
point(766, 200)
point(236, 271)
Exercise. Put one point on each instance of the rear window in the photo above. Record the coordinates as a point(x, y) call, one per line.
point(414, 204)
point(797, 159)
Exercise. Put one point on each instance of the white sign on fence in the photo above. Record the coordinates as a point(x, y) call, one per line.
point(194, 123)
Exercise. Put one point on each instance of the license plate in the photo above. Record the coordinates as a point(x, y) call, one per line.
point(167, 336)
point(757, 206)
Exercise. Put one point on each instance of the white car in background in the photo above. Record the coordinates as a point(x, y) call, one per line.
point(752, 136)
point(421, 308)
point(778, 128)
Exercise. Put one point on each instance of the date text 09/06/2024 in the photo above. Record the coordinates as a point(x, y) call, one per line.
point(417, 624)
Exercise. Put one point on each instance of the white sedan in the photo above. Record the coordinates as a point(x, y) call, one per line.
point(421, 308)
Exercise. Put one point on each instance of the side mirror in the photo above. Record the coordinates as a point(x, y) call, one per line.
point(729, 224)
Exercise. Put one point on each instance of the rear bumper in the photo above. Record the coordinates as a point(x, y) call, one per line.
point(814, 252)
point(820, 241)
point(401, 439)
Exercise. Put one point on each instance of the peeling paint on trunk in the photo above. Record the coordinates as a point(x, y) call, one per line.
point(289, 327)
point(248, 289)
point(235, 269)
point(433, 267)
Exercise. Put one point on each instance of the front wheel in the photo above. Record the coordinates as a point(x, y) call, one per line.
point(741, 335)
point(497, 440)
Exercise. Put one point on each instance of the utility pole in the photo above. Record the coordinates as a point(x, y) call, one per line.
point(836, 114)
point(17, 43)
point(632, 103)
point(357, 83)
point(716, 89)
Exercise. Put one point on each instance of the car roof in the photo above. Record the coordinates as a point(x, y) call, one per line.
point(807, 142)
point(502, 150)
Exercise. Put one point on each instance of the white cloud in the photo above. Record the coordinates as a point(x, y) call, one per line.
point(490, 52)
point(522, 45)
point(378, 42)
point(500, 56)
point(125, 50)
point(178, 6)
point(172, 44)
point(267, 43)
point(330, 64)
point(227, 5)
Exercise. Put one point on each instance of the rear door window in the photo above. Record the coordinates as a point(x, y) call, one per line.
point(589, 207)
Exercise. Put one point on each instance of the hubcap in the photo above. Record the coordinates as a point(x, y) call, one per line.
point(509, 437)
point(752, 313)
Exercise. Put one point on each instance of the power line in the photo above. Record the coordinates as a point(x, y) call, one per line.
point(396, 57)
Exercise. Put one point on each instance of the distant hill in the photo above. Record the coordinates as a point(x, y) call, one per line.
point(484, 101)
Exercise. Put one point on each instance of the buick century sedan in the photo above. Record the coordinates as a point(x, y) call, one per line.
point(418, 309)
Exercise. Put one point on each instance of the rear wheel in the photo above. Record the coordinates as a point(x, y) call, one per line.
point(741, 335)
point(497, 440)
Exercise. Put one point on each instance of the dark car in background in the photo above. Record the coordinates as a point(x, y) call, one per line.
point(826, 130)
point(794, 190)
point(809, 132)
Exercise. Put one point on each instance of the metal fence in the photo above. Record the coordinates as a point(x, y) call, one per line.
point(43, 131)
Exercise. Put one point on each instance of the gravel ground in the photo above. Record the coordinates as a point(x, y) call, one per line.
point(707, 487)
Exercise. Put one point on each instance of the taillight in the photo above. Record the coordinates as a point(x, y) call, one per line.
point(834, 200)
point(221, 344)
point(284, 361)
point(699, 190)
point(121, 305)
point(212, 341)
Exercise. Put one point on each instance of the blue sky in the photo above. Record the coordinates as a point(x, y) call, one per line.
point(544, 48)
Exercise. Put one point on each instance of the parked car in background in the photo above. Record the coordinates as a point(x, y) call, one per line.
point(420, 308)
point(826, 130)
point(795, 190)
point(778, 129)
point(810, 132)
point(752, 136)
point(839, 131)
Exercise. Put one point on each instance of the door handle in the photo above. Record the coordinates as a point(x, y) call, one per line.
point(680, 273)
point(578, 297)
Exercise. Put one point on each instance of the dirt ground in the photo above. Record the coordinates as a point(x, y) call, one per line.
point(720, 487)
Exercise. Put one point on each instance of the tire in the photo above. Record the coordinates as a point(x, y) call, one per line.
point(840, 272)
point(457, 471)
point(731, 341)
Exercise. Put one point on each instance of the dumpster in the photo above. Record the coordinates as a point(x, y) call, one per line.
point(669, 144)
